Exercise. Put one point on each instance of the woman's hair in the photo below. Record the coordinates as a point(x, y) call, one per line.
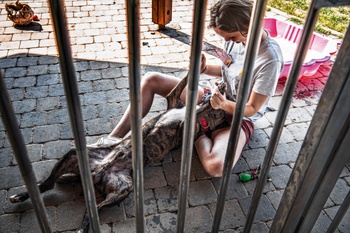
point(231, 15)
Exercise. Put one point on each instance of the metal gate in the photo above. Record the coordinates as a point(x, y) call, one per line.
point(323, 154)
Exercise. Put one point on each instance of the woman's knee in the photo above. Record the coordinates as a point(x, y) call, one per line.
point(215, 167)
point(150, 79)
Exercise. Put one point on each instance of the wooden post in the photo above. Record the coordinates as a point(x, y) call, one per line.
point(161, 12)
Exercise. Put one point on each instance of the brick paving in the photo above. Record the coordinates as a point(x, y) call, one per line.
point(97, 30)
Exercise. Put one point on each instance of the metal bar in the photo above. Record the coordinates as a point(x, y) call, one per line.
point(20, 152)
point(133, 29)
point(328, 179)
point(191, 102)
point(340, 214)
point(312, 156)
point(282, 113)
point(73, 102)
point(253, 40)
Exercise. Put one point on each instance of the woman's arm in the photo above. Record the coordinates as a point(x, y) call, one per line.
point(212, 70)
point(255, 102)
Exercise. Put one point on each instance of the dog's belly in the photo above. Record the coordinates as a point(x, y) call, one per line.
point(172, 116)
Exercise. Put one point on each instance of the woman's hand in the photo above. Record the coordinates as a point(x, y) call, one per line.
point(218, 100)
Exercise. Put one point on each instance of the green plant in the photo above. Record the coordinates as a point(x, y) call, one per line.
point(330, 18)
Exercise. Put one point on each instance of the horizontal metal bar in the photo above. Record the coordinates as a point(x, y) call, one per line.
point(20, 152)
point(133, 29)
point(191, 102)
point(73, 102)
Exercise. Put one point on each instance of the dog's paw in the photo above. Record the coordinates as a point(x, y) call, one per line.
point(15, 198)
point(19, 197)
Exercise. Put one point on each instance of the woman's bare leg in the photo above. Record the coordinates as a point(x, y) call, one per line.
point(212, 151)
point(152, 83)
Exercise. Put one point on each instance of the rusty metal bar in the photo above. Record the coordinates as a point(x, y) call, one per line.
point(20, 152)
point(133, 29)
point(73, 102)
point(253, 41)
point(191, 103)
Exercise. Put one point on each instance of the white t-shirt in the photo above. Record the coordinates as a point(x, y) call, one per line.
point(267, 68)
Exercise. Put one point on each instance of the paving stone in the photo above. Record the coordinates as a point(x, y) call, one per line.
point(165, 222)
point(48, 103)
point(31, 119)
point(42, 169)
point(15, 72)
point(339, 192)
point(299, 115)
point(280, 175)
point(150, 204)
point(11, 177)
point(3, 196)
point(109, 109)
point(29, 221)
point(232, 216)
point(48, 79)
point(56, 149)
point(39, 70)
point(201, 192)
point(9, 223)
point(286, 136)
point(112, 214)
point(85, 87)
point(125, 226)
point(16, 94)
point(322, 223)
point(57, 116)
point(24, 106)
point(46, 133)
point(6, 157)
point(298, 130)
point(275, 197)
point(344, 225)
point(259, 139)
point(265, 211)
point(35, 152)
point(198, 219)
point(94, 98)
point(254, 157)
point(172, 173)
point(28, 81)
point(154, 177)
point(70, 215)
point(284, 154)
point(56, 90)
point(167, 198)
point(234, 190)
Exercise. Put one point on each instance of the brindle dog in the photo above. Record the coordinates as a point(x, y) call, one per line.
point(111, 168)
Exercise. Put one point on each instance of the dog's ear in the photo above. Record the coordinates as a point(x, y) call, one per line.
point(173, 98)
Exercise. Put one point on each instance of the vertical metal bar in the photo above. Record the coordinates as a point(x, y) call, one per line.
point(328, 181)
point(340, 214)
point(19, 150)
point(191, 102)
point(253, 40)
point(133, 29)
point(321, 141)
point(73, 102)
point(283, 111)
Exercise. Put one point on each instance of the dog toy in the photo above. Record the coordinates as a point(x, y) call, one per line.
point(253, 174)
point(19, 13)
